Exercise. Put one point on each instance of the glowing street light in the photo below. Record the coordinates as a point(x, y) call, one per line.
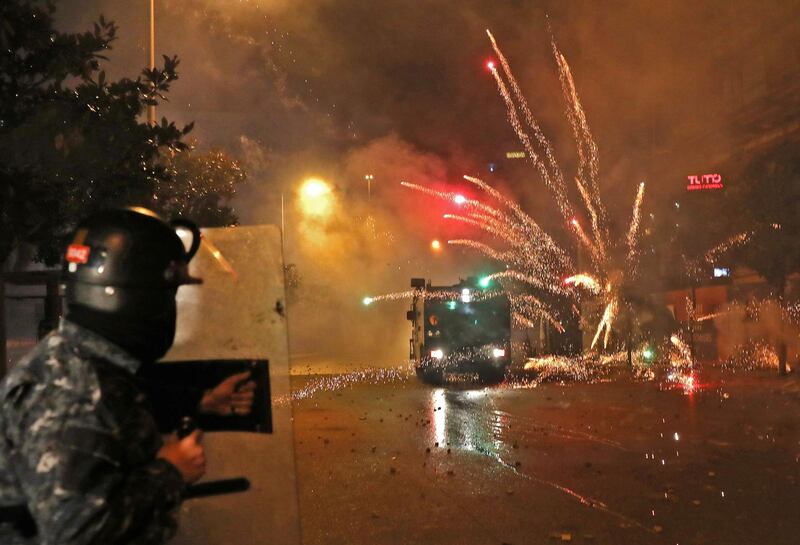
point(314, 187)
point(316, 197)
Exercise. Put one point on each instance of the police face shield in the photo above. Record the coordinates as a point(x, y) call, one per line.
point(122, 270)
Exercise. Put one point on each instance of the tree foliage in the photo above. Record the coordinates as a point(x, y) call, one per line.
point(72, 142)
point(200, 186)
point(767, 204)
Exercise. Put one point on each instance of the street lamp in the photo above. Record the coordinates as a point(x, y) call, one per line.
point(151, 110)
point(369, 178)
point(316, 197)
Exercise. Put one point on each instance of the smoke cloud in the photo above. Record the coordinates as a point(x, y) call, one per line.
point(341, 89)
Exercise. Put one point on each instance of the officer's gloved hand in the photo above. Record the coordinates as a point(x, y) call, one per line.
point(234, 395)
point(187, 454)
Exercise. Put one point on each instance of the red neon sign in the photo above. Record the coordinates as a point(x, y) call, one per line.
point(706, 181)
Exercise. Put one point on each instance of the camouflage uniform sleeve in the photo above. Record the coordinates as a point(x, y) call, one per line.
point(71, 467)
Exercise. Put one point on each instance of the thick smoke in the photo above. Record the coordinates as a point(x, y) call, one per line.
point(365, 245)
point(344, 88)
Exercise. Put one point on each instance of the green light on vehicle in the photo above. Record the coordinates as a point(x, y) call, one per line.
point(484, 282)
point(451, 305)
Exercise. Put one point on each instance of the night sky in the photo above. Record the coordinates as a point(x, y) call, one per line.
point(399, 89)
point(311, 81)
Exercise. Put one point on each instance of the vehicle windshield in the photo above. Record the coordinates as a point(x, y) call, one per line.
point(455, 324)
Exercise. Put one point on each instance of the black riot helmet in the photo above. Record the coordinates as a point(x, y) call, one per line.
point(128, 262)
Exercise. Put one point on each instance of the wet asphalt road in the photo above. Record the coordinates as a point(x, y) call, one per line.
point(605, 463)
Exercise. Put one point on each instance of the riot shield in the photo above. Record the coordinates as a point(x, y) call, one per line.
point(237, 319)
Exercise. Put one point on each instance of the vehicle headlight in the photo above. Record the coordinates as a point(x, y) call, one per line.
point(498, 352)
point(437, 354)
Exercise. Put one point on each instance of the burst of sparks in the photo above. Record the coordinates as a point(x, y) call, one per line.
point(723, 247)
point(586, 181)
point(606, 323)
point(533, 261)
point(633, 230)
point(584, 281)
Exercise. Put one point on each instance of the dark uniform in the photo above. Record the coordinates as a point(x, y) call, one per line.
point(78, 440)
point(79, 446)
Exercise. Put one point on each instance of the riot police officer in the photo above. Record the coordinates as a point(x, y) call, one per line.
point(78, 442)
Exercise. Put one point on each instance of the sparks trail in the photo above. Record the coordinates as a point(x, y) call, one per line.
point(483, 248)
point(433, 295)
point(337, 382)
point(529, 305)
point(587, 149)
point(532, 255)
point(633, 231)
point(566, 433)
point(528, 279)
point(527, 222)
point(584, 500)
point(535, 260)
point(721, 248)
point(584, 281)
point(557, 176)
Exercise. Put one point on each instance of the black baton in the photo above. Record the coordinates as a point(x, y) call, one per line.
point(211, 488)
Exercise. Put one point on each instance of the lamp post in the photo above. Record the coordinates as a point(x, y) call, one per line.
point(151, 110)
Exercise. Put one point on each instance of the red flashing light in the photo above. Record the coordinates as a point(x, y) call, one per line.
point(490, 66)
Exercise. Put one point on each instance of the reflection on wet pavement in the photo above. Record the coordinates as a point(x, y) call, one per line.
point(468, 420)
point(620, 461)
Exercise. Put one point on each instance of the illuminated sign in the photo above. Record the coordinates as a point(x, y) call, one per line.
point(706, 181)
point(515, 155)
point(721, 272)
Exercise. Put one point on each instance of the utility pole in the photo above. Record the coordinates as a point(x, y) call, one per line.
point(369, 178)
point(283, 225)
point(151, 110)
point(3, 355)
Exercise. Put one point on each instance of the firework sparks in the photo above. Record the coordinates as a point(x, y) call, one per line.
point(337, 382)
point(529, 305)
point(431, 295)
point(534, 262)
point(606, 272)
point(558, 177)
point(528, 279)
point(606, 323)
point(584, 281)
point(633, 230)
point(723, 247)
